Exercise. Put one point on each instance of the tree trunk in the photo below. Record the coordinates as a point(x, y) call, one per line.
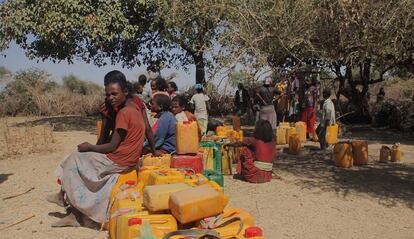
point(200, 68)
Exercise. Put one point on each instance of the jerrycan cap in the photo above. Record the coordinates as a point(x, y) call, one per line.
point(134, 221)
point(130, 182)
point(253, 232)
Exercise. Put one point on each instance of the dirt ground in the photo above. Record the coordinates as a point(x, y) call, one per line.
point(313, 198)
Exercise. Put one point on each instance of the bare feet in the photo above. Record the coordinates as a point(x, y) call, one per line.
point(69, 221)
point(56, 198)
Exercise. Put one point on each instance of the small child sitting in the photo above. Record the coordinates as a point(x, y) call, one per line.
point(165, 126)
point(257, 154)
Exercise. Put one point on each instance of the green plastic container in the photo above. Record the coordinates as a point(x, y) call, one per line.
point(214, 176)
point(216, 147)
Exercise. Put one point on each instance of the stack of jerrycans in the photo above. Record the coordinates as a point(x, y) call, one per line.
point(212, 161)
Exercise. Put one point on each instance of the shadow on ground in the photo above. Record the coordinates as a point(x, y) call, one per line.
point(388, 183)
point(66, 123)
point(379, 135)
point(4, 177)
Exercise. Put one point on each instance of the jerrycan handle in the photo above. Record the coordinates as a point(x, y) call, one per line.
point(193, 233)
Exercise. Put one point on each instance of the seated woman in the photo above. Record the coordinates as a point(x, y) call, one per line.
point(88, 174)
point(164, 128)
point(178, 106)
point(257, 154)
point(108, 113)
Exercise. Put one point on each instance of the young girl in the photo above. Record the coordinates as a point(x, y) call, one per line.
point(199, 101)
point(164, 128)
point(178, 105)
point(88, 174)
point(257, 154)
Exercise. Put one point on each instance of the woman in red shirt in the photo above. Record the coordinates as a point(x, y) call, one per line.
point(88, 175)
point(257, 154)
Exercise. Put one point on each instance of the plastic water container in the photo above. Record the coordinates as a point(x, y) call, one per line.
point(144, 172)
point(211, 155)
point(214, 176)
point(281, 135)
point(187, 138)
point(149, 160)
point(130, 225)
point(360, 152)
point(168, 176)
point(98, 128)
point(222, 131)
point(294, 144)
point(300, 127)
point(197, 203)
point(289, 132)
point(384, 154)
point(343, 156)
point(332, 134)
point(156, 196)
point(396, 153)
point(194, 162)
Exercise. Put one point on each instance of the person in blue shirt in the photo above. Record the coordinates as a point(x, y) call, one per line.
point(164, 128)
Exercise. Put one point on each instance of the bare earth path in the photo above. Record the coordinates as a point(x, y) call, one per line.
point(313, 199)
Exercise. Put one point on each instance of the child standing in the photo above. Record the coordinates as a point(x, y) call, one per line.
point(257, 154)
point(199, 100)
point(328, 117)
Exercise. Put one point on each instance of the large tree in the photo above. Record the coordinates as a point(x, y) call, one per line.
point(128, 31)
point(353, 38)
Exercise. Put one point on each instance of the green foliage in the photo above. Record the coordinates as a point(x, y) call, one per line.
point(75, 85)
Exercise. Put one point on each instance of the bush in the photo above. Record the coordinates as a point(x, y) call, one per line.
point(33, 92)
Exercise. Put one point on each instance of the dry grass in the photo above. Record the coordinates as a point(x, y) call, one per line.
point(25, 140)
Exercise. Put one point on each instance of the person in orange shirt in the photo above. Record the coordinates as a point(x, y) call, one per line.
point(88, 175)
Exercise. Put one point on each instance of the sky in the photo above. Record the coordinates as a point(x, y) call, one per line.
point(16, 60)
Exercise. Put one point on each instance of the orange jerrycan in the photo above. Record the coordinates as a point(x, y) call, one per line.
point(187, 137)
point(156, 196)
point(342, 153)
point(197, 203)
point(230, 224)
point(294, 144)
point(396, 153)
point(384, 154)
point(301, 130)
point(129, 225)
point(360, 152)
point(332, 134)
point(289, 132)
point(163, 160)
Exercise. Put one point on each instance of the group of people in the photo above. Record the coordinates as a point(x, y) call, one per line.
point(135, 121)
point(300, 101)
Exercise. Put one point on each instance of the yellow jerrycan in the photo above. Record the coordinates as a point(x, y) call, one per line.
point(281, 135)
point(289, 132)
point(396, 153)
point(187, 138)
point(156, 197)
point(301, 130)
point(197, 203)
point(163, 160)
point(332, 134)
point(129, 226)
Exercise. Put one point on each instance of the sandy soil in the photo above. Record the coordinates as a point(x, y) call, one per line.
point(313, 199)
